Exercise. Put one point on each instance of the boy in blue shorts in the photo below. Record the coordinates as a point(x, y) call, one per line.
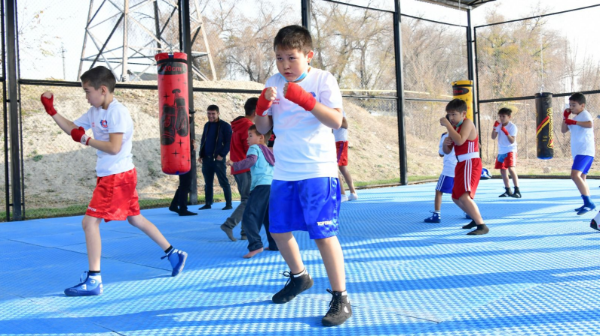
point(303, 105)
point(582, 146)
point(446, 180)
point(115, 196)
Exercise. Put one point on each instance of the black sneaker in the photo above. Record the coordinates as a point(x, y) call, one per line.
point(594, 225)
point(227, 207)
point(204, 207)
point(174, 209)
point(339, 310)
point(516, 194)
point(470, 225)
point(506, 194)
point(187, 213)
point(293, 287)
point(481, 230)
point(243, 237)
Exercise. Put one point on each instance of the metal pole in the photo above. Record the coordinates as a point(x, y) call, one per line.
point(157, 26)
point(400, 93)
point(476, 86)
point(13, 98)
point(85, 37)
point(186, 47)
point(306, 15)
point(124, 75)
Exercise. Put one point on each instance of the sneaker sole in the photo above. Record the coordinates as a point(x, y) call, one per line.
point(584, 211)
point(178, 270)
point(328, 324)
point(86, 293)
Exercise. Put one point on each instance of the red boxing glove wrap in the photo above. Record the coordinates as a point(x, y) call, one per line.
point(263, 104)
point(504, 130)
point(570, 122)
point(296, 94)
point(496, 124)
point(78, 135)
point(48, 105)
point(566, 113)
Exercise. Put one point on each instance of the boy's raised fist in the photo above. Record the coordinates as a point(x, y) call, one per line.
point(48, 101)
point(264, 103)
point(78, 135)
point(296, 94)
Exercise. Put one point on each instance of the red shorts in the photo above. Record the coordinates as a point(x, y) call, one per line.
point(341, 148)
point(466, 178)
point(115, 197)
point(509, 161)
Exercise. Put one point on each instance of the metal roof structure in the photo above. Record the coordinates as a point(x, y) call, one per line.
point(458, 4)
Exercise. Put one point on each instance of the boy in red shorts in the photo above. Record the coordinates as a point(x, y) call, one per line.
point(506, 132)
point(467, 173)
point(115, 196)
point(341, 146)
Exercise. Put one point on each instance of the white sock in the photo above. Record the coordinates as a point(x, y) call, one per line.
point(300, 274)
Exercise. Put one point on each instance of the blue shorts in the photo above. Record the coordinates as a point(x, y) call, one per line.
point(582, 163)
point(445, 184)
point(311, 205)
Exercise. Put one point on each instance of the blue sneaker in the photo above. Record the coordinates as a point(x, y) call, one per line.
point(177, 259)
point(586, 209)
point(92, 285)
point(579, 209)
point(435, 218)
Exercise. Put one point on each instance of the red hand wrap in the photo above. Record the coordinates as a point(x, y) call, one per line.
point(263, 104)
point(570, 122)
point(496, 124)
point(48, 105)
point(296, 94)
point(503, 129)
point(566, 113)
point(77, 134)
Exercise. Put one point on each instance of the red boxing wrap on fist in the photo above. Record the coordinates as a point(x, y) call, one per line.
point(263, 104)
point(78, 135)
point(566, 113)
point(48, 105)
point(296, 94)
point(496, 124)
point(570, 122)
point(504, 130)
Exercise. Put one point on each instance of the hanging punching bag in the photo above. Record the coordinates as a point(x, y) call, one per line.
point(543, 113)
point(173, 115)
point(463, 90)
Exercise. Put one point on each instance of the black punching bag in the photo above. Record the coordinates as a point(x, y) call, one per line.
point(543, 113)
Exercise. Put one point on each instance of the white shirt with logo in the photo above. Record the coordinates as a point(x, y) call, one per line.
point(115, 119)
point(450, 159)
point(305, 148)
point(504, 146)
point(582, 139)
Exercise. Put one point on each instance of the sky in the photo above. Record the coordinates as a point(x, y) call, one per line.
point(48, 27)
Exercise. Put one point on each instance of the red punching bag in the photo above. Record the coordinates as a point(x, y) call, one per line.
point(173, 115)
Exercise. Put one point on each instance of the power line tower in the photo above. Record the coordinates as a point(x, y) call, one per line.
point(125, 35)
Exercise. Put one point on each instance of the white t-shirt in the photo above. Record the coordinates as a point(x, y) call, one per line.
point(504, 146)
point(305, 148)
point(341, 134)
point(115, 119)
point(449, 159)
point(582, 139)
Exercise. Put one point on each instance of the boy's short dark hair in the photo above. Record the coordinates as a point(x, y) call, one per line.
point(98, 77)
point(293, 37)
point(255, 130)
point(250, 106)
point(212, 108)
point(457, 105)
point(578, 97)
point(506, 111)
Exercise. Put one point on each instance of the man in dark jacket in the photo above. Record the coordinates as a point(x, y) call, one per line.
point(243, 179)
point(214, 147)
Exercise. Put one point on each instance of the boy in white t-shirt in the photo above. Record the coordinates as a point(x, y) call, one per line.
point(303, 105)
point(446, 180)
point(506, 132)
point(115, 196)
point(341, 148)
point(582, 146)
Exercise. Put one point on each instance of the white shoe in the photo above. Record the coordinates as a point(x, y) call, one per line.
point(352, 197)
point(344, 198)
